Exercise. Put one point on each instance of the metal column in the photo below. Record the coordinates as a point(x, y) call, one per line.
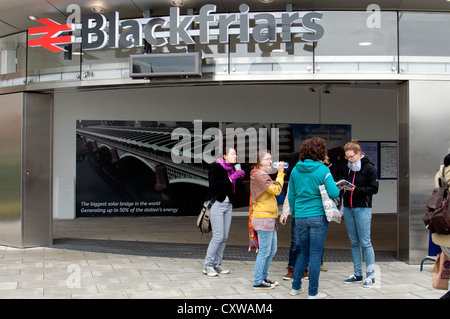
point(424, 140)
point(26, 169)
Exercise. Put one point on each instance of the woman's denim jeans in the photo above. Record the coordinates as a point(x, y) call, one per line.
point(312, 232)
point(220, 216)
point(294, 250)
point(267, 249)
point(357, 222)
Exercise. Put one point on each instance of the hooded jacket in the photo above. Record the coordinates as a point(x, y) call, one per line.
point(304, 194)
point(366, 182)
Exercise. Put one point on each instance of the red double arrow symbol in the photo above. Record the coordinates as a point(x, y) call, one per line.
point(51, 33)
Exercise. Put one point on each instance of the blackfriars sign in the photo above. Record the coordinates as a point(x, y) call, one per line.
point(175, 29)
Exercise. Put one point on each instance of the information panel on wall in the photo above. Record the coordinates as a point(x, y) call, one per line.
point(384, 157)
point(388, 160)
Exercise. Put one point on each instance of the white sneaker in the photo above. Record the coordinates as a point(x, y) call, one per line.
point(209, 271)
point(320, 295)
point(220, 270)
point(295, 292)
point(369, 283)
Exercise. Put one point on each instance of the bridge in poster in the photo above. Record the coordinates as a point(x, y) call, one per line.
point(152, 146)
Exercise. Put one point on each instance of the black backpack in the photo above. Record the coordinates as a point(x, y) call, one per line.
point(437, 215)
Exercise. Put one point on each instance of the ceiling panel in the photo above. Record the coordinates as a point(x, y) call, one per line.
point(354, 5)
point(127, 8)
point(425, 5)
point(7, 29)
point(17, 16)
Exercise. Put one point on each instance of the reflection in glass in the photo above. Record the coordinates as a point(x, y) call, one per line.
point(424, 42)
point(107, 63)
point(357, 42)
point(165, 64)
point(13, 60)
point(275, 57)
point(47, 66)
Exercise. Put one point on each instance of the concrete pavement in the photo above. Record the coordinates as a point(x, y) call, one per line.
point(69, 270)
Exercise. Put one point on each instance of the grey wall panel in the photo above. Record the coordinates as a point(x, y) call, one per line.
point(37, 168)
point(429, 142)
point(25, 169)
point(10, 169)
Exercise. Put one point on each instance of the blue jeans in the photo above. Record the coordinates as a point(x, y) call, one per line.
point(295, 246)
point(220, 216)
point(267, 249)
point(312, 232)
point(357, 222)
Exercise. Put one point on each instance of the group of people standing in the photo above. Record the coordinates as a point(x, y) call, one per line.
point(304, 202)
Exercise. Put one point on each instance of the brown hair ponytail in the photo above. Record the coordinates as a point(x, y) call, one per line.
point(353, 145)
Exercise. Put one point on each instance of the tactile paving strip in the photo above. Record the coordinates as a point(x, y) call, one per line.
point(182, 250)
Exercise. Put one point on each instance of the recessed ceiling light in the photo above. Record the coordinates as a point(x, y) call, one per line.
point(177, 3)
point(266, 1)
point(98, 9)
point(364, 44)
point(34, 18)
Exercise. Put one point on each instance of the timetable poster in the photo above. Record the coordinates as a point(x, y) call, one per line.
point(388, 160)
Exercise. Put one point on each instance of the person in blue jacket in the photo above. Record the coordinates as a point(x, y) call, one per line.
point(306, 207)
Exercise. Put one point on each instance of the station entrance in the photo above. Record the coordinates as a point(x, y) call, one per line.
point(393, 117)
point(368, 111)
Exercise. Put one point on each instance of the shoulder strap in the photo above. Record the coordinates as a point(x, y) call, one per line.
point(442, 181)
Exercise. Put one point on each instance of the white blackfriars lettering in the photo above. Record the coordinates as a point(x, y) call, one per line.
point(176, 29)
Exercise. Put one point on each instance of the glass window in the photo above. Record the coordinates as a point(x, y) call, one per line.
point(261, 54)
point(357, 42)
point(107, 63)
point(424, 45)
point(13, 53)
point(214, 54)
point(271, 57)
point(47, 66)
